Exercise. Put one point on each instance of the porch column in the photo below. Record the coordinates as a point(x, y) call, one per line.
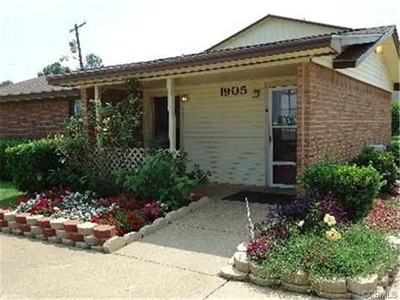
point(97, 102)
point(171, 114)
point(85, 110)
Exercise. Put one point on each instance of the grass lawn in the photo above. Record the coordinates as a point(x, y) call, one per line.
point(8, 193)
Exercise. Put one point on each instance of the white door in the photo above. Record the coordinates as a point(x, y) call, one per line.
point(282, 137)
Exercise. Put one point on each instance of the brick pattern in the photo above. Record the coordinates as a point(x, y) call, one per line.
point(33, 118)
point(337, 115)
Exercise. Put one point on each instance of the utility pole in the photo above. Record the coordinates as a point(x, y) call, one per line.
point(76, 29)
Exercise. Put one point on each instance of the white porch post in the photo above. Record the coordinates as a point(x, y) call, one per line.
point(97, 102)
point(171, 114)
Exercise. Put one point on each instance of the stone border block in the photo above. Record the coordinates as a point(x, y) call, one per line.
point(82, 245)
point(104, 231)
point(71, 225)
point(113, 244)
point(3, 223)
point(302, 289)
point(230, 273)
point(36, 230)
point(241, 262)
point(57, 224)
point(40, 237)
point(264, 282)
point(21, 218)
point(6, 230)
point(67, 242)
point(44, 222)
point(61, 234)
point(242, 247)
point(159, 223)
point(2, 212)
point(131, 237)
point(13, 225)
point(91, 240)
point(362, 286)
point(9, 216)
point(75, 236)
point(29, 234)
point(86, 228)
point(97, 248)
point(54, 239)
point(25, 227)
point(48, 232)
point(16, 231)
point(32, 220)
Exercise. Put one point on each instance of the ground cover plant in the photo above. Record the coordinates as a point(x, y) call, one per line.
point(322, 235)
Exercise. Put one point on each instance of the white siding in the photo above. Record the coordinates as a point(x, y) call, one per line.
point(273, 30)
point(373, 70)
point(226, 134)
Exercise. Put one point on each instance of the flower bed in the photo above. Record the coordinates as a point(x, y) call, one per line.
point(85, 221)
point(310, 246)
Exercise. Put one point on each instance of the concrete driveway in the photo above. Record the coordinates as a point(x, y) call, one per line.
point(179, 261)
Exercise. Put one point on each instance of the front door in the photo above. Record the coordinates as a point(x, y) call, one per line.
point(161, 123)
point(282, 137)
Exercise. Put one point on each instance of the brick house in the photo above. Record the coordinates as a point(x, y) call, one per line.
point(265, 103)
point(35, 109)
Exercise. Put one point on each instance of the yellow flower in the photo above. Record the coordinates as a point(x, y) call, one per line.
point(330, 220)
point(333, 235)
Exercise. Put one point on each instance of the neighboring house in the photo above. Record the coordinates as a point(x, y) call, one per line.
point(269, 101)
point(34, 109)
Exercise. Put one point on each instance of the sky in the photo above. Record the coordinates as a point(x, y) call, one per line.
point(35, 33)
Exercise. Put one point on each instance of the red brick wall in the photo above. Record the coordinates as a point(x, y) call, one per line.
point(33, 118)
point(337, 115)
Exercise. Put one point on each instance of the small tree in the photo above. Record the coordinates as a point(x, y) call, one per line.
point(54, 68)
point(93, 61)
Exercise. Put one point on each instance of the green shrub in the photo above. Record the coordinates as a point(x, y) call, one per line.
point(394, 147)
point(32, 164)
point(384, 163)
point(5, 170)
point(80, 171)
point(395, 118)
point(355, 187)
point(161, 177)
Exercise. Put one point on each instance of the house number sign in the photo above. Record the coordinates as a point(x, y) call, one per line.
point(233, 90)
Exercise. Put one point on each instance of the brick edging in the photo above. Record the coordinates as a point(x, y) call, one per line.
point(85, 235)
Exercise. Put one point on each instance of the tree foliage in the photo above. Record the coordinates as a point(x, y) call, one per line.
point(54, 68)
point(93, 61)
point(5, 83)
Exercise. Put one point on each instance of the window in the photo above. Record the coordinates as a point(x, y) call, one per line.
point(77, 112)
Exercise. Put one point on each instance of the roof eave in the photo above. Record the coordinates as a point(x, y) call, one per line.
point(216, 57)
point(40, 96)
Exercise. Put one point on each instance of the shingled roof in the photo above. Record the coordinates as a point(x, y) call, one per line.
point(209, 57)
point(35, 88)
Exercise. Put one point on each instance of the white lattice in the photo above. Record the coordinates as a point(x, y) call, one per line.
point(112, 160)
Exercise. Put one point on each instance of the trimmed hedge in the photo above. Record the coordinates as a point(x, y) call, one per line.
point(32, 164)
point(355, 187)
point(5, 170)
point(384, 163)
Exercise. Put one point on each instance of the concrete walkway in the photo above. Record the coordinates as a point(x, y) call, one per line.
point(179, 261)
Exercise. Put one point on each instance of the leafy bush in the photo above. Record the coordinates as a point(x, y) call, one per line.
point(5, 170)
point(79, 170)
point(33, 163)
point(395, 118)
point(161, 177)
point(354, 187)
point(384, 163)
point(394, 147)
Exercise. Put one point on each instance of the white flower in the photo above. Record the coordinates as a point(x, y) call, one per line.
point(301, 223)
point(330, 220)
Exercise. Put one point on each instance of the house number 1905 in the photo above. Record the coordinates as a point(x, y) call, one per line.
point(234, 90)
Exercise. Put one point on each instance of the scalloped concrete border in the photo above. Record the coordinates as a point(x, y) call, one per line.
point(109, 245)
point(240, 268)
